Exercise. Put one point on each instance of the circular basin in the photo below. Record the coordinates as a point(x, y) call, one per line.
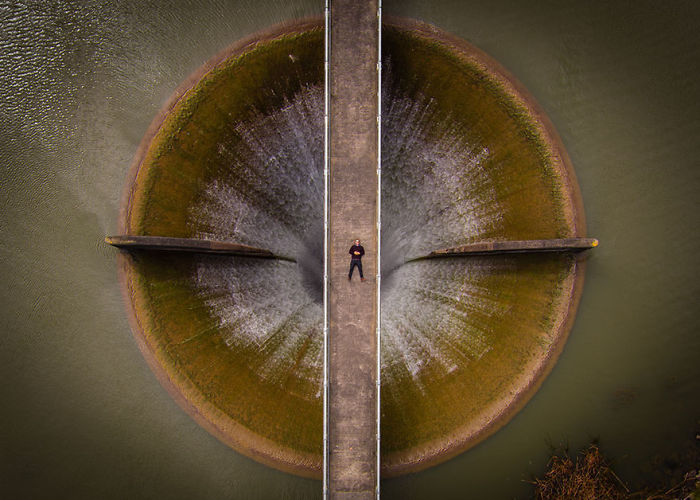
point(237, 155)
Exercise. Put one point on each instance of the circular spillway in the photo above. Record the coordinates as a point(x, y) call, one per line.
point(237, 155)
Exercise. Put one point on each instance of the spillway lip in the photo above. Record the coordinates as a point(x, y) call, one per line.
point(511, 86)
point(438, 451)
point(457, 438)
point(238, 48)
point(462, 438)
point(188, 396)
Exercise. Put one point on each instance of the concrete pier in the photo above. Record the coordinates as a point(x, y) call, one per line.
point(353, 207)
point(519, 246)
point(165, 243)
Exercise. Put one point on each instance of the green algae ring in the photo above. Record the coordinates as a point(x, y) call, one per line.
point(237, 155)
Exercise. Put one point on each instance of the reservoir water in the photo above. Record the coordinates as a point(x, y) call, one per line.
point(83, 416)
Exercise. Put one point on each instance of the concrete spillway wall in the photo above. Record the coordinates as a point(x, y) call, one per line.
point(237, 157)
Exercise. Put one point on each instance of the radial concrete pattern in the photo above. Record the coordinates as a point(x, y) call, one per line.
point(467, 158)
point(84, 416)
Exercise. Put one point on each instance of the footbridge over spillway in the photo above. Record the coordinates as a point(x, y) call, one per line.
point(351, 449)
point(352, 210)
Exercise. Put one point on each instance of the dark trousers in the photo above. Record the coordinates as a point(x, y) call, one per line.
point(355, 263)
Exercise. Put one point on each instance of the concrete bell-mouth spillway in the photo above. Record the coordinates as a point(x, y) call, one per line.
point(236, 156)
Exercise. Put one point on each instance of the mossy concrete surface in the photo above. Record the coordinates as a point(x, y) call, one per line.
point(217, 384)
point(521, 307)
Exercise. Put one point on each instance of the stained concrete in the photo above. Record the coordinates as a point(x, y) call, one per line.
point(520, 246)
point(352, 394)
point(165, 243)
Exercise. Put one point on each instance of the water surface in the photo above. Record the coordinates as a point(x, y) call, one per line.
point(83, 415)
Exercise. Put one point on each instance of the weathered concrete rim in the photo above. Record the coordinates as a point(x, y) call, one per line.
point(236, 49)
point(189, 398)
point(438, 451)
point(573, 210)
point(309, 465)
point(523, 388)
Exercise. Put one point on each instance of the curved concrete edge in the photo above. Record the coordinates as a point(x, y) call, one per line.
point(498, 415)
point(187, 396)
point(191, 400)
point(238, 48)
point(573, 208)
point(257, 447)
point(501, 413)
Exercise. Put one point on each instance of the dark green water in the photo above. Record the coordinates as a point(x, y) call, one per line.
point(84, 417)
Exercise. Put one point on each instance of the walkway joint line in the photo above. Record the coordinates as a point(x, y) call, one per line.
point(326, 176)
point(379, 245)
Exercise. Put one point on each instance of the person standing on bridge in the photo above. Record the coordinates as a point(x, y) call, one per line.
point(356, 251)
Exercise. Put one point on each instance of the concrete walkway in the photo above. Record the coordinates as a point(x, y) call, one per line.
point(352, 410)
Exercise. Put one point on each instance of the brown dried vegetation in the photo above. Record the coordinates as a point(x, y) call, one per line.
point(590, 477)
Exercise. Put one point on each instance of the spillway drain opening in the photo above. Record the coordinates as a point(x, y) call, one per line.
point(237, 157)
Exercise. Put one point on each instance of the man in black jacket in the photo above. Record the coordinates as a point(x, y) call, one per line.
point(356, 260)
